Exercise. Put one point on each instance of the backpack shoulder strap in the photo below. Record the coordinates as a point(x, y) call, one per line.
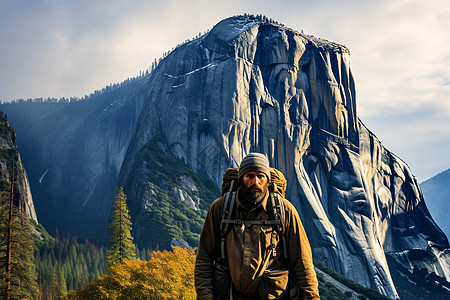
point(278, 213)
point(227, 212)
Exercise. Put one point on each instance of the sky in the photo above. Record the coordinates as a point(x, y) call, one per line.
point(400, 55)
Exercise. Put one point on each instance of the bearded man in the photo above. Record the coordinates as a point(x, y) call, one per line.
point(252, 260)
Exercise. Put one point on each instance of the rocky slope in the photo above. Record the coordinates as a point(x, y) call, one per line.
point(247, 85)
point(9, 152)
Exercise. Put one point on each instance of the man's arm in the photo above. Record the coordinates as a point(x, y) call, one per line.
point(207, 252)
point(299, 255)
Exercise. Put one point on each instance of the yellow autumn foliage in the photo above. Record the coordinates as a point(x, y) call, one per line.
point(168, 275)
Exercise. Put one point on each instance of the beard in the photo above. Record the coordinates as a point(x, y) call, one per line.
point(254, 195)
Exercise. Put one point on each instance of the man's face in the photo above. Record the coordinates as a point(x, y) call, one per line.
point(255, 186)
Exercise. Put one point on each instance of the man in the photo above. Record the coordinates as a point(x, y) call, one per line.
point(255, 265)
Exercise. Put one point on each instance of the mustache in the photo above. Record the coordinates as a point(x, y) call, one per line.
point(254, 186)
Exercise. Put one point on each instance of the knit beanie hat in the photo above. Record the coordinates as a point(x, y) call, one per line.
point(255, 162)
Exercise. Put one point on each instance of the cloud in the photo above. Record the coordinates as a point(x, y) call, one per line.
point(65, 48)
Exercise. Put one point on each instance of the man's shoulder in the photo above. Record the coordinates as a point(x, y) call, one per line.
point(216, 206)
point(289, 208)
point(286, 203)
point(217, 202)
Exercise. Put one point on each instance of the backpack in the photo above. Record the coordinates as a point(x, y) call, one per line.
point(277, 188)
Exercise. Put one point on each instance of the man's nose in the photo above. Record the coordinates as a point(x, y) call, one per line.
point(256, 180)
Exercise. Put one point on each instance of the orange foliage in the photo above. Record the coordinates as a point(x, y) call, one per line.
point(168, 275)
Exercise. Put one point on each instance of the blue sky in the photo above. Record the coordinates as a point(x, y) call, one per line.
point(400, 55)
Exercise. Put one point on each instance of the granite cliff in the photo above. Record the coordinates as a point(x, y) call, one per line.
point(9, 153)
point(247, 85)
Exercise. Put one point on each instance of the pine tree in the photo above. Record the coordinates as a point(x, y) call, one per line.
point(18, 271)
point(60, 284)
point(122, 246)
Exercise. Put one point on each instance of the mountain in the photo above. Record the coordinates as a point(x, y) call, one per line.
point(249, 84)
point(73, 152)
point(9, 153)
point(436, 191)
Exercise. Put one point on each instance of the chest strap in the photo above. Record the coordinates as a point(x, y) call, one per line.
point(248, 223)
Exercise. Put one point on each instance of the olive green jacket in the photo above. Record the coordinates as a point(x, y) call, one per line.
point(247, 248)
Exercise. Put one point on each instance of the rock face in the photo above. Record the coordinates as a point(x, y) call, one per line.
point(8, 151)
point(252, 85)
point(74, 151)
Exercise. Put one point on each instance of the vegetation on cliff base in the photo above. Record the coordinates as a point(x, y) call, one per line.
point(164, 218)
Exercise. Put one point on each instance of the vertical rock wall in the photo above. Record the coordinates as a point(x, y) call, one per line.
point(8, 152)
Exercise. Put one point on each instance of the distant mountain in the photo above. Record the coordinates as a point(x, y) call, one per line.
point(436, 192)
point(249, 84)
